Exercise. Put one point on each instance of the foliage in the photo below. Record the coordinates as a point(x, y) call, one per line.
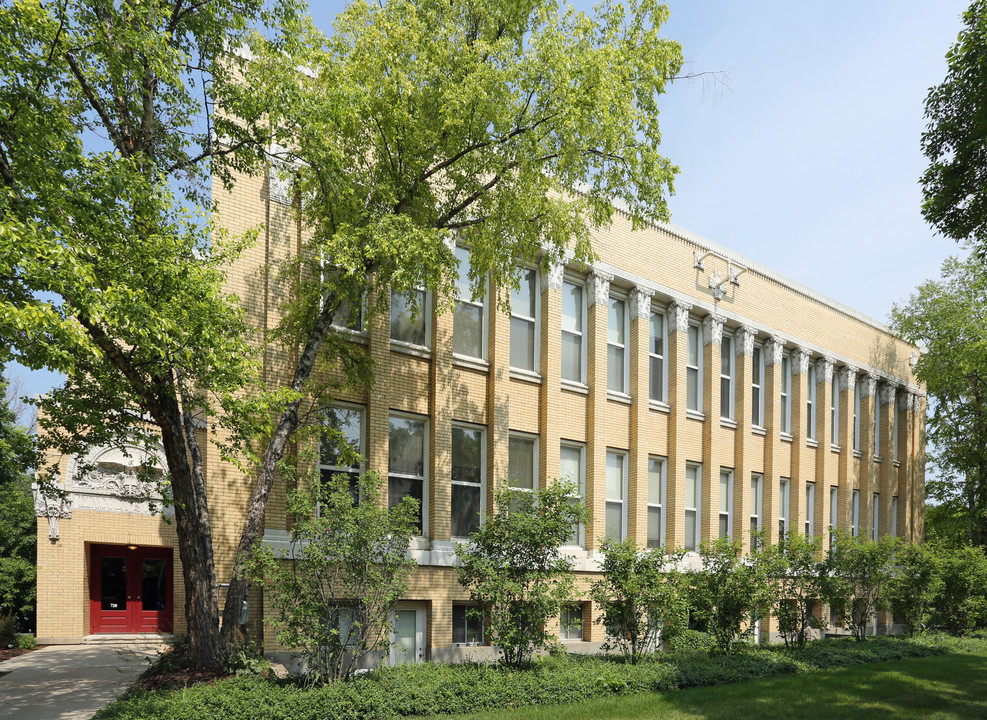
point(686, 640)
point(953, 185)
point(8, 631)
point(947, 317)
point(515, 570)
point(961, 603)
point(26, 641)
point(476, 688)
point(640, 596)
point(860, 571)
point(947, 523)
point(913, 587)
point(332, 596)
point(247, 659)
point(729, 593)
point(799, 580)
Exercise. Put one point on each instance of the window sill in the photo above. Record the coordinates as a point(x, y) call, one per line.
point(758, 430)
point(479, 644)
point(659, 406)
point(695, 415)
point(897, 463)
point(576, 387)
point(357, 336)
point(812, 443)
point(419, 351)
point(525, 376)
point(464, 361)
point(787, 437)
point(728, 423)
point(878, 459)
point(857, 454)
point(619, 397)
point(836, 449)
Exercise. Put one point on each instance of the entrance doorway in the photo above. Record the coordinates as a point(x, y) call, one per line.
point(130, 589)
point(407, 634)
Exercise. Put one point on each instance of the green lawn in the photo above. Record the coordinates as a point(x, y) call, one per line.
point(934, 688)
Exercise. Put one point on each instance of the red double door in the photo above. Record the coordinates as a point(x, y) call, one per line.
point(130, 589)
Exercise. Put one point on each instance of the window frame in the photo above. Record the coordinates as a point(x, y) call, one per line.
point(726, 513)
point(810, 402)
point(757, 504)
point(875, 516)
point(834, 512)
point(608, 500)
point(894, 516)
point(694, 372)
point(517, 435)
point(834, 412)
point(757, 386)
point(471, 301)
point(727, 381)
point(856, 416)
point(662, 503)
point(697, 469)
point(855, 514)
point(896, 418)
point(535, 322)
point(654, 357)
point(566, 627)
point(784, 508)
point(467, 616)
point(424, 478)
point(810, 509)
point(623, 348)
point(359, 469)
point(426, 317)
point(786, 393)
point(580, 486)
point(877, 421)
point(482, 485)
point(581, 334)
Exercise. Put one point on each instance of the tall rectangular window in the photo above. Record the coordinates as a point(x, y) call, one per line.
point(693, 499)
point(786, 394)
point(895, 426)
point(571, 622)
point(856, 417)
point(572, 469)
point(407, 466)
point(524, 323)
point(341, 445)
point(877, 422)
point(617, 355)
point(810, 403)
point(616, 493)
point(468, 476)
point(834, 412)
point(757, 498)
point(726, 504)
point(784, 504)
point(726, 377)
point(875, 524)
point(656, 502)
point(757, 387)
point(810, 509)
point(694, 368)
point(894, 517)
point(469, 314)
point(573, 322)
point(834, 513)
point(656, 357)
point(522, 461)
point(467, 625)
point(409, 318)
point(855, 513)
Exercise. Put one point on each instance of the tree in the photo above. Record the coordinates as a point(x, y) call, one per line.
point(515, 570)
point(860, 571)
point(914, 585)
point(799, 580)
point(961, 600)
point(347, 569)
point(110, 271)
point(18, 530)
point(949, 318)
point(955, 200)
point(640, 595)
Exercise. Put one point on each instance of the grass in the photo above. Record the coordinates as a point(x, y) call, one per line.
point(944, 687)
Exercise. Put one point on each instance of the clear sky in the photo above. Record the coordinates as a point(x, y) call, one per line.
point(806, 159)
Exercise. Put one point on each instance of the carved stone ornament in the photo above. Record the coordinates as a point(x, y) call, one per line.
point(53, 508)
point(824, 370)
point(848, 377)
point(774, 351)
point(712, 329)
point(888, 391)
point(800, 362)
point(553, 278)
point(641, 303)
point(743, 340)
point(601, 287)
point(113, 479)
point(916, 402)
point(679, 312)
point(868, 385)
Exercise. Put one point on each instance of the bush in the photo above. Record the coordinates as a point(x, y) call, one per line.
point(26, 642)
point(961, 603)
point(8, 631)
point(687, 641)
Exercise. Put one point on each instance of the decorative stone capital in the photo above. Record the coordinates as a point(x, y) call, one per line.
point(800, 362)
point(824, 370)
point(641, 303)
point(868, 385)
point(553, 276)
point(774, 350)
point(848, 377)
point(54, 508)
point(712, 329)
point(679, 315)
point(744, 340)
point(888, 391)
point(916, 402)
point(601, 287)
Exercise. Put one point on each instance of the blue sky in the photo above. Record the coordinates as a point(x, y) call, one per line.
point(807, 158)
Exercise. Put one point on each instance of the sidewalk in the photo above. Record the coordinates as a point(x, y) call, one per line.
point(69, 682)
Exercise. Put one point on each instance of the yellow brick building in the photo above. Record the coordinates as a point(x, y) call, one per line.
point(689, 392)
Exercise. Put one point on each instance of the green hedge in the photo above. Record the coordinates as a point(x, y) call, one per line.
point(432, 689)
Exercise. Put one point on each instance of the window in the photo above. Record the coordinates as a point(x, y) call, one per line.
point(469, 314)
point(616, 492)
point(573, 322)
point(810, 509)
point(784, 505)
point(877, 422)
point(348, 315)
point(572, 469)
point(693, 496)
point(617, 356)
point(524, 323)
point(341, 617)
point(467, 624)
point(694, 368)
point(656, 502)
point(875, 517)
point(522, 461)
point(834, 513)
point(409, 318)
point(726, 377)
point(786, 389)
point(656, 357)
point(834, 412)
point(810, 403)
point(571, 623)
point(855, 513)
point(856, 417)
point(757, 483)
point(757, 383)
point(406, 467)
point(894, 517)
point(726, 503)
point(341, 448)
point(894, 427)
point(468, 475)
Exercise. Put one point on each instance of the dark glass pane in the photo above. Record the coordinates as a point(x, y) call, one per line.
point(523, 299)
point(726, 385)
point(657, 389)
point(346, 421)
point(522, 344)
point(154, 584)
point(408, 317)
point(465, 510)
point(724, 526)
point(466, 454)
point(407, 446)
point(352, 483)
point(467, 330)
point(399, 488)
point(113, 583)
point(459, 623)
point(654, 527)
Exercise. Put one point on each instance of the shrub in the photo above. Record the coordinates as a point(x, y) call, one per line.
point(8, 631)
point(860, 571)
point(26, 642)
point(914, 584)
point(961, 603)
point(687, 640)
point(799, 580)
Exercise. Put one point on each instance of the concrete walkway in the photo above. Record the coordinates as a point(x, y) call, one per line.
point(69, 682)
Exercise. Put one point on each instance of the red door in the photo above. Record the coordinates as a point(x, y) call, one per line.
point(130, 590)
